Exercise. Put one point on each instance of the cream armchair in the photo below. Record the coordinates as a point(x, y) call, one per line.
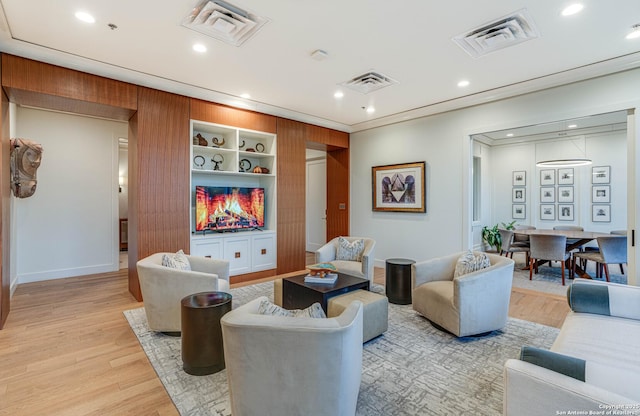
point(279, 365)
point(470, 304)
point(364, 269)
point(163, 287)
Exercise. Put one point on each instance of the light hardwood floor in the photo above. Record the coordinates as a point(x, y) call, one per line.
point(67, 349)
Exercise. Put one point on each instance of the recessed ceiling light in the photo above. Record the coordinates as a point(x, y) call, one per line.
point(572, 9)
point(85, 17)
point(572, 126)
point(246, 96)
point(199, 47)
point(371, 109)
point(509, 134)
point(463, 83)
point(338, 94)
point(635, 32)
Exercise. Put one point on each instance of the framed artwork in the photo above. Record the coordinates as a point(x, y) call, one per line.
point(517, 195)
point(547, 212)
point(601, 174)
point(518, 212)
point(565, 176)
point(600, 193)
point(519, 178)
point(565, 212)
point(601, 213)
point(565, 193)
point(547, 177)
point(547, 194)
point(399, 188)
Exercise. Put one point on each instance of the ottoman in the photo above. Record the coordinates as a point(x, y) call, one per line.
point(375, 312)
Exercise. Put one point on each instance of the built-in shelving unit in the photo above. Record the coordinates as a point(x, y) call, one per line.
point(233, 157)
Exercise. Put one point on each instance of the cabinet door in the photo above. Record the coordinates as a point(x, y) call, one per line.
point(238, 251)
point(264, 253)
point(207, 248)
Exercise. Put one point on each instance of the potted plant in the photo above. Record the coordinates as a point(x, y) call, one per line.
point(491, 236)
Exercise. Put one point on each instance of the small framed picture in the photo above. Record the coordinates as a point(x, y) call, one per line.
point(519, 178)
point(518, 195)
point(547, 177)
point(518, 211)
point(601, 174)
point(565, 176)
point(600, 193)
point(565, 193)
point(547, 212)
point(601, 213)
point(565, 212)
point(547, 194)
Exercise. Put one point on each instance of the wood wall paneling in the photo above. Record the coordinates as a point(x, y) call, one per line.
point(5, 207)
point(337, 193)
point(222, 114)
point(161, 199)
point(291, 159)
point(329, 137)
point(132, 208)
point(38, 84)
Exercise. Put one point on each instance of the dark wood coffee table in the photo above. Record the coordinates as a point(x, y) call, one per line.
point(296, 294)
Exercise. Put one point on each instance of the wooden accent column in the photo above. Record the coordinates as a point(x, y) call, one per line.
point(5, 192)
point(159, 169)
point(291, 195)
point(337, 193)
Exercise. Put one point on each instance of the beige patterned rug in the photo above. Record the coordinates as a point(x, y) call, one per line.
point(412, 369)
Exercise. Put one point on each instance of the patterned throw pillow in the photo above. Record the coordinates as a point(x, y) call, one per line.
point(176, 261)
point(313, 311)
point(350, 251)
point(468, 262)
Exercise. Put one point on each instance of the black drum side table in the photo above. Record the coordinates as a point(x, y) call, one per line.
point(202, 349)
point(398, 280)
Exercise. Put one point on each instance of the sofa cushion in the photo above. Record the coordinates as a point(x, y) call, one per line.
point(469, 262)
point(601, 298)
point(560, 363)
point(351, 251)
point(178, 261)
point(313, 311)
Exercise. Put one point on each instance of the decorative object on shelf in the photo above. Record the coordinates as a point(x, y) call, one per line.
point(198, 161)
point(217, 159)
point(244, 165)
point(25, 158)
point(259, 148)
point(565, 212)
point(215, 142)
point(241, 144)
point(601, 193)
point(200, 140)
point(601, 213)
point(399, 188)
point(259, 169)
point(601, 174)
point(519, 178)
point(250, 149)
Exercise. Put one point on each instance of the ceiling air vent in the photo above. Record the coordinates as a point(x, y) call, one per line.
point(371, 81)
point(223, 21)
point(504, 32)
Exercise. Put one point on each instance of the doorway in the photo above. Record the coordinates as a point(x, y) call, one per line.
point(316, 199)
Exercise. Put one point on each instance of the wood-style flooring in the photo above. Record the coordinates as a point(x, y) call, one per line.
point(66, 348)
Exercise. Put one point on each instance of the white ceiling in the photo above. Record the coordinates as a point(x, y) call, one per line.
point(409, 41)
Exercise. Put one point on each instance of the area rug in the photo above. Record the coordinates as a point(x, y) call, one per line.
point(412, 369)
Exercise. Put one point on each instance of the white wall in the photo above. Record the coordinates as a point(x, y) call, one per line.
point(69, 227)
point(443, 142)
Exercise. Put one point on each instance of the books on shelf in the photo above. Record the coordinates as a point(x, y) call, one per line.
point(329, 279)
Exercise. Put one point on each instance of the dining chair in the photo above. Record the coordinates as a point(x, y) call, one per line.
point(508, 246)
point(570, 241)
point(549, 248)
point(522, 239)
point(618, 232)
point(613, 250)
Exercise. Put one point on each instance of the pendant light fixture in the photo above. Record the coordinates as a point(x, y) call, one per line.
point(567, 162)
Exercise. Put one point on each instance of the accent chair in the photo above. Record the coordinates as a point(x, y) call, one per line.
point(363, 268)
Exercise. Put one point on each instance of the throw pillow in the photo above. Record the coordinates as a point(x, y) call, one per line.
point(313, 311)
point(469, 262)
point(176, 261)
point(351, 251)
point(560, 363)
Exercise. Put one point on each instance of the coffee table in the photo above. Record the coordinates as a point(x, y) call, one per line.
point(296, 294)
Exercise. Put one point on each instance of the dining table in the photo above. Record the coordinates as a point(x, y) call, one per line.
point(575, 240)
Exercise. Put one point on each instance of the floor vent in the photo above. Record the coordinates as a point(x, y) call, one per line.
point(507, 31)
point(223, 21)
point(371, 81)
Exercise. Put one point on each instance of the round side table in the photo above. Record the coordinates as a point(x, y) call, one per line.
point(202, 349)
point(398, 280)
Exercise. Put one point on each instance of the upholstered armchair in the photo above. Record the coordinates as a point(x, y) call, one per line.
point(164, 287)
point(363, 269)
point(470, 304)
point(279, 365)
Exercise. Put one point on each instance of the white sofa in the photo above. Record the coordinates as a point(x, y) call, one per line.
point(601, 335)
point(164, 287)
point(280, 365)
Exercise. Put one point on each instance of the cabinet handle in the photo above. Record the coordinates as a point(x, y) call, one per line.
point(263, 251)
point(237, 254)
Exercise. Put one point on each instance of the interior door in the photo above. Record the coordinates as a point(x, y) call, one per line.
point(316, 202)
